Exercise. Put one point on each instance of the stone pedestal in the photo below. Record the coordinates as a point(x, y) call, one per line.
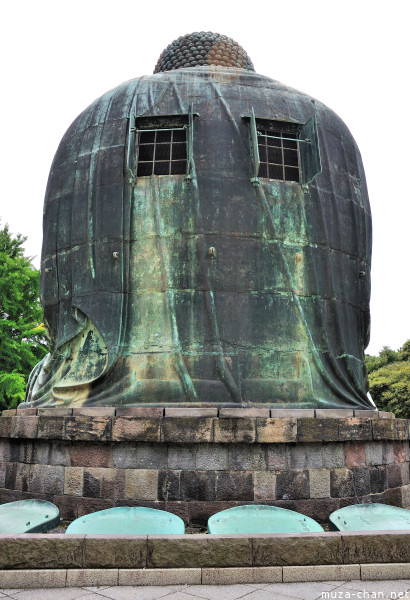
point(196, 462)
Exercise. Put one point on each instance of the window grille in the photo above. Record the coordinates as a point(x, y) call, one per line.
point(283, 150)
point(278, 152)
point(160, 145)
point(162, 151)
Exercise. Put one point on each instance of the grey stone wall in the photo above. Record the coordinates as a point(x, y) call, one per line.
point(195, 466)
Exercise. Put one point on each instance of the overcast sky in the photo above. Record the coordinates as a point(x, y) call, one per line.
point(353, 55)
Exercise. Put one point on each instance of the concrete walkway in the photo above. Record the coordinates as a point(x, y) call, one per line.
point(277, 591)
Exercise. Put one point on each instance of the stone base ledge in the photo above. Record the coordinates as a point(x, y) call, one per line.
point(59, 578)
point(200, 551)
point(195, 428)
point(234, 412)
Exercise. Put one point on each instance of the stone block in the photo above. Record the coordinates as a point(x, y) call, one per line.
point(376, 547)
point(91, 577)
point(211, 457)
point(276, 430)
point(199, 512)
point(319, 480)
point(85, 454)
point(374, 453)
point(384, 429)
point(22, 477)
point(92, 483)
point(136, 429)
point(178, 508)
point(26, 412)
point(3, 469)
point(387, 571)
point(94, 411)
point(60, 453)
point(25, 427)
point(234, 485)
point(405, 492)
point(292, 485)
point(190, 412)
point(181, 457)
point(168, 485)
point(152, 456)
point(10, 495)
point(297, 549)
point(187, 430)
point(4, 450)
point(378, 479)
point(88, 428)
point(333, 455)
point(89, 505)
point(53, 551)
point(333, 413)
point(124, 455)
point(242, 575)
point(388, 453)
point(399, 450)
point(293, 413)
point(22, 450)
point(141, 484)
point(382, 414)
point(355, 428)
point(5, 426)
point(361, 479)
point(392, 496)
point(41, 452)
point(306, 456)
point(51, 428)
point(246, 458)
point(228, 430)
point(9, 412)
point(115, 551)
point(44, 578)
point(318, 430)
point(143, 412)
point(193, 551)
point(318, 509)
point(355, 454)
point(156, 577)
point(57, 411)
point(73, 481)
point(341, 483)
point(401, 429)
point(277, 456)
point(368, 414)
point(264, 485)
point(197, 485)
point(394, 476)
point(244, 412)
point(404, 467)
point(46, 479)
point(321, 573)
point(10, 475)
point(112, 482)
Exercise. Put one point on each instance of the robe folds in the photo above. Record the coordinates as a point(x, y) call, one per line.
point(208, 290)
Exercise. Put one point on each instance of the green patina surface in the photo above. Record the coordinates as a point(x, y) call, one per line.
point(209, 288)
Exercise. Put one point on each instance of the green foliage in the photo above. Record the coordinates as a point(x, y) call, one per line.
point(22, 336)
point(389, 380)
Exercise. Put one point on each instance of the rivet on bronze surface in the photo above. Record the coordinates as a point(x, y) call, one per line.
point(115, 255)
point(212, 252)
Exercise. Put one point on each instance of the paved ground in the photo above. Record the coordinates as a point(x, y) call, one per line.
point(277, 591)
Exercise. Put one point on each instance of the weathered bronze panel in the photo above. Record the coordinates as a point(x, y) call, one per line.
point(165, 290)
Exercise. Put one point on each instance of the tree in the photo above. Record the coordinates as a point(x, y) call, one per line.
point(389, 380)
point(22, 336)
